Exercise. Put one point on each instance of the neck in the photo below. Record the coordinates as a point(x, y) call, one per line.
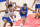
point(10, 10)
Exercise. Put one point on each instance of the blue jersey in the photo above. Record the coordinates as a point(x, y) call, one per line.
point(23, 11)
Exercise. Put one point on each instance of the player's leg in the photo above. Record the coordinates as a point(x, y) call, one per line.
point(38, 14)
point(36, 6)
point(38, 10)
point(11, 24)
point(38, 17)
point(4, 24)
point(23, 20)
point(35, 14)
point(9, 20)
point(4, 19)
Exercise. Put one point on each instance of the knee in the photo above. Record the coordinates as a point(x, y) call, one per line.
point(5, 21)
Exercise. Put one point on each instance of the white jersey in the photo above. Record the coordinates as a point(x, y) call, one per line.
point(8, 14)
point(37, 1)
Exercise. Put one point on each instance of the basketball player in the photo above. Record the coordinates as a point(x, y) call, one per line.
point(6, 18)
point(13, 4)
point(24, 10)
point(8, 13)
point(37, 5)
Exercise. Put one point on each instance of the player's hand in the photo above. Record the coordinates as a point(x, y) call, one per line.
point(12, 18)
point(23, 12)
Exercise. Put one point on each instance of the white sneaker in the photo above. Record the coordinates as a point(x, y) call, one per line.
point(21, 25)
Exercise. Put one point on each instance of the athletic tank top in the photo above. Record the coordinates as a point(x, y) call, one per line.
point(37, 2)
point(6, 14)
point(24, 11)
point(10, 13)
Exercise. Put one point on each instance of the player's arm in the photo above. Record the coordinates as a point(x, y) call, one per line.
point(15, 3)
point(3, 10)
point(19, 11)
point(30, 9)
point(6, 6)
point(15, 7)
point(33, 3)
point(19, 7)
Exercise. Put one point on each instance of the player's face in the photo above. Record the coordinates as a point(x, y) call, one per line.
point(10, 2)
point(24, 7)
point(10, 8)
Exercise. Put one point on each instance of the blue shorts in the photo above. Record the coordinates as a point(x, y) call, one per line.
point(23, 16)
point(37, 6)
point(5, 18)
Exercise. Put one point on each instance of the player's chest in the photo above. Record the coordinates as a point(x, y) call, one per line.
point(24, 10)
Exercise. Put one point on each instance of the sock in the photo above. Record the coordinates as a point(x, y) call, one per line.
point(39, 17)
point(35, 17)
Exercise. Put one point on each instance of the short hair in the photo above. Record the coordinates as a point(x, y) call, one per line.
point(25, 4)
point(10, 5)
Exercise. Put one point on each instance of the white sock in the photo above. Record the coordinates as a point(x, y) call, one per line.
point(21, 24)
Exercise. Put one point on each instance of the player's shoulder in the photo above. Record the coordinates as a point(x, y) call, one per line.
point(21, 7)
point(27, 7)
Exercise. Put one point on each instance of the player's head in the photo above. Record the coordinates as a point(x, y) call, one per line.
point(10, 6)
point(25, 6)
